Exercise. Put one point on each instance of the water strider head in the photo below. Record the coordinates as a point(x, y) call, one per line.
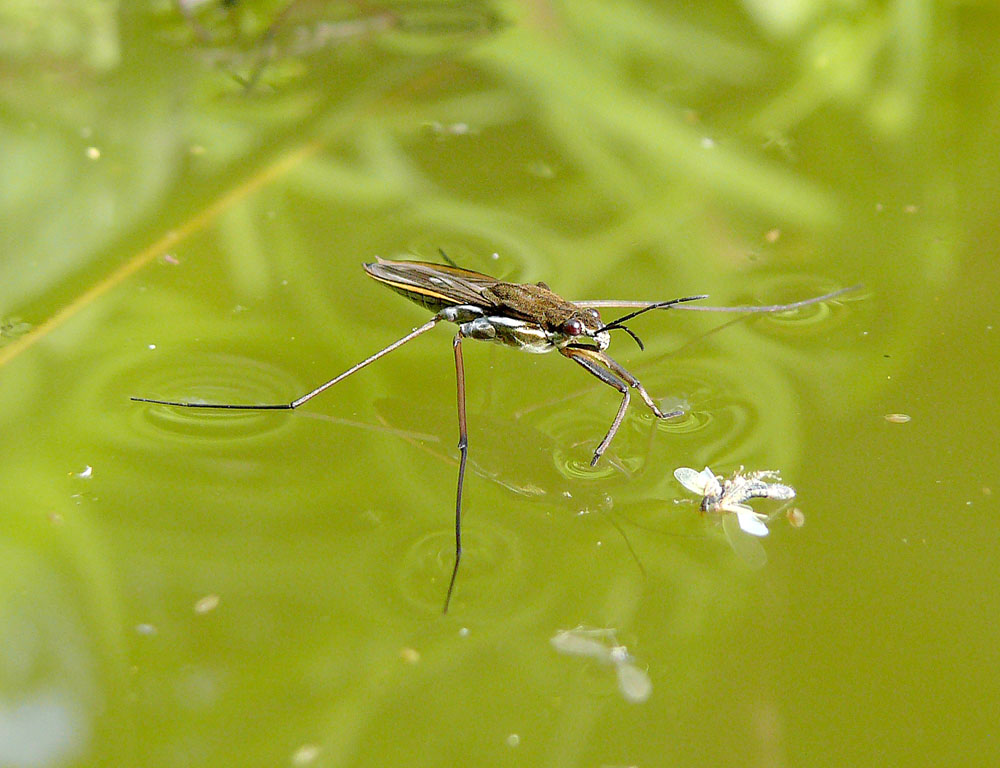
point(583, 323)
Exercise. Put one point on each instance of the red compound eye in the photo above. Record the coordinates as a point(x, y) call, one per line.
point(573, 327)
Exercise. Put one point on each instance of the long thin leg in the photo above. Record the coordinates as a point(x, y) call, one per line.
point(309, 395)
point(614, 375)
point(463, 447)
point(632, 381)
point(580, 356)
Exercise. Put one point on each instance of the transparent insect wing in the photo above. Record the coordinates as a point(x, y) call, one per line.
point(749, 521)
point(711, 482)
point(704, 483)
point(747, 548)
point(633, 682)
point(690, 479)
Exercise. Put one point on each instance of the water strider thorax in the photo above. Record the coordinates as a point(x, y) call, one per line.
point(560, 322)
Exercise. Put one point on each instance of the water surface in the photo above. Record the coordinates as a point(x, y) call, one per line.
point(187, 201)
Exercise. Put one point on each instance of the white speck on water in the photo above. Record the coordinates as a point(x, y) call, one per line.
point(409, 655)
point(150, 346)
point(93, 153)
point(513, 740)
point(463, 632)
point(206, 604)
point(707, 143)
point(86, 473)
point(305, 754)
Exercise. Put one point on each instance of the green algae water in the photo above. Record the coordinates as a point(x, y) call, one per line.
point(187, 193)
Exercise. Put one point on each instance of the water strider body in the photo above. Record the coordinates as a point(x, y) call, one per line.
point(528, 316)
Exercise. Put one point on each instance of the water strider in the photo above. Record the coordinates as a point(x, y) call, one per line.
point(528, 316)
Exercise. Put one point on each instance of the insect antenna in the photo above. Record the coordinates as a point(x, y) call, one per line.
point(629, 331)
point(618, 325)
point(658, 305)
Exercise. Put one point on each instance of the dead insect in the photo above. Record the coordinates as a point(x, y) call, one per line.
point(528, 316)
point(727, 498)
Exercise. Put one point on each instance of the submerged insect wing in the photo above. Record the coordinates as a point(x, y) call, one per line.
point(748, 520)
point(747, 548)
point(633, 682)
point(578, 643)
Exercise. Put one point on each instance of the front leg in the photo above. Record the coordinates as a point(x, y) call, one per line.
point(632, 381)
point(614, 375)
point(591, 360)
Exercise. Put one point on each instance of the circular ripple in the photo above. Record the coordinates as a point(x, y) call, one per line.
point(575, 436)
point(722, 412)
point(212, 379)
point(491, 556)
point(786, 289)
point(690, 421)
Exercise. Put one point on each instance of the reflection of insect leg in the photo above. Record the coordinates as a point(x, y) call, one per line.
point(463, 447)
point(614, 375)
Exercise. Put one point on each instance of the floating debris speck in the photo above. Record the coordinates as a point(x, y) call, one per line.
point(409, 655)
point(897, 418)
point(305, 754)
point(795, 517)
point(206, 604)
